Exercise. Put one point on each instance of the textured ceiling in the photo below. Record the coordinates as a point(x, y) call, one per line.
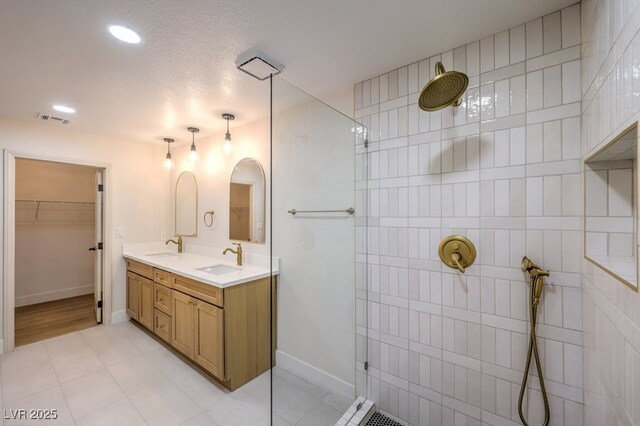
point(183, 72)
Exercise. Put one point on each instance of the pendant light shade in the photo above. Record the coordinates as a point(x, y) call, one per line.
point(193, 153)
point(168, 161)
point(227, 136)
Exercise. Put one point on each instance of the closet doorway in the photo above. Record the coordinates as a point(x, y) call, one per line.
point(58, 248)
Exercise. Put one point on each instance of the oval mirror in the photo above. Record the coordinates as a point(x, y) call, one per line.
point(187, 205)
point(246, 202)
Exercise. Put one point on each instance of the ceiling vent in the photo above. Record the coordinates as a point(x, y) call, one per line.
point(52, 119)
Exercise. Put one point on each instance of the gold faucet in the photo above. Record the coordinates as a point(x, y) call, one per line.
point(237, 252)
point(179, 243)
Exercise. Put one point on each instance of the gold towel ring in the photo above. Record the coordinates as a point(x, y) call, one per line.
point(211, 216)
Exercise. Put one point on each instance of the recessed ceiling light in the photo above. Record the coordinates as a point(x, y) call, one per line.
point(124, 34)
point(65, 109)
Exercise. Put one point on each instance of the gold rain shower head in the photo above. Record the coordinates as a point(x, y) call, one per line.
point(443, 90)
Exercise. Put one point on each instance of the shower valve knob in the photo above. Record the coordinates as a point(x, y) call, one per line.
point(457, 252)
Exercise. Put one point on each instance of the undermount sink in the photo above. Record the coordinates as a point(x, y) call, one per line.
point(217, 269)
point(161, 254)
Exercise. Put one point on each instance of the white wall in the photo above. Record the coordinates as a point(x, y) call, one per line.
point(136, 192)
point(504, 170)
point(611, 311)
point(44, 272)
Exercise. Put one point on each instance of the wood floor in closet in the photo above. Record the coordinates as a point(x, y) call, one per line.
point(50, 319)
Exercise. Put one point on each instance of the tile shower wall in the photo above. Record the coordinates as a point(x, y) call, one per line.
point(504, 170)
point(610, 102)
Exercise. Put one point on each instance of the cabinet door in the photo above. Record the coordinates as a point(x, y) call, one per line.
point(145, 313)
point(133, 295)
point(209, 350)
point(183, 323)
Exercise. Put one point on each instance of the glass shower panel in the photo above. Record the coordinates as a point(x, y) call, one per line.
point(313, 235)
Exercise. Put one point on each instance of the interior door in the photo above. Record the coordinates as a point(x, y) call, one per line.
point(99, 235)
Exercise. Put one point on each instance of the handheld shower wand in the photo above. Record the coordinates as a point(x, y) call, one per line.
point(537, 275)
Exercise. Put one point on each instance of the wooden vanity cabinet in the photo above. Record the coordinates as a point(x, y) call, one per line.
point(226, 332)
point(140, 293)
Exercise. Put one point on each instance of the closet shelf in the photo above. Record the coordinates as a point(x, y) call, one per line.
point(50, 212)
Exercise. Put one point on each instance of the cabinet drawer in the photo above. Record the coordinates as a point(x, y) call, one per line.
point(162, 325)
point(140, 268)
point(199, 290)
point(162, 298)
point(163, 277)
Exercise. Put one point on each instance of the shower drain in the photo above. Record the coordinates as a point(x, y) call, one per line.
point(381, 420)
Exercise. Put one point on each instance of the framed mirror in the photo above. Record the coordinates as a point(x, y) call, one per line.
point(187, 205)
point(611, 207)
point(247, 202)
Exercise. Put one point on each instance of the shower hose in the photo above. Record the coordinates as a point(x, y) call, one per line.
point(533, 349)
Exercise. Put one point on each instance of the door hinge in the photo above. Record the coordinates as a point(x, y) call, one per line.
point(100, 188)
point(366, 365)
point(100, 246)
point(99, 303)
point(366, 143)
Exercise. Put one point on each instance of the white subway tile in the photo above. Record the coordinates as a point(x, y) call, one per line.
point(518, 94)
point(552, 195)
point(501, 142)
point(517, 142)
point(534, 90)
point(552, 86)
point(552, 32)
point(572, 308)
point(553, 361)
point(486, 54)
point(552, 136)
point(571, 82)
point(501, 53)
point(535, 149)
point(571, 26)
point(534, 38)
point(473, 58)
point(502, 98)
point(517, 44)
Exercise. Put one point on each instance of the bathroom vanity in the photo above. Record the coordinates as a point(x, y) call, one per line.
point(216, 314)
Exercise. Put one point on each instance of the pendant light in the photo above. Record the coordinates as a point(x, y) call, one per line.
point(193, 154)
point(168, 162)
point(227, 136)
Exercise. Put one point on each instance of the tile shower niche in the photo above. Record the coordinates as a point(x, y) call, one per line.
point(611, 207)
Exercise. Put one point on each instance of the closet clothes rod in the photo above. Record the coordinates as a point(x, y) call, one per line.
point(350, 211)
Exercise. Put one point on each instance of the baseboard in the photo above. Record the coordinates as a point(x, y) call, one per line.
point(49, 296)
point(314, 375)
point(119, 316)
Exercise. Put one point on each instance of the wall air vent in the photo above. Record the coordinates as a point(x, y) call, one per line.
point(52, 119)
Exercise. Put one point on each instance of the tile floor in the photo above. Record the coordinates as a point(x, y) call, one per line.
point(121, 376)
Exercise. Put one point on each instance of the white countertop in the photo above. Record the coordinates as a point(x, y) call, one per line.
point(186, 264)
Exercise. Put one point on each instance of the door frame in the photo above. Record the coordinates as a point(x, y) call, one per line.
point(9, 244)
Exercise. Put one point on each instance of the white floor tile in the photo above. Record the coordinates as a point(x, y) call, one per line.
point(71, 365)
point(91, 392)
point(23, 356)
point(163, 403)
point(144, 343)
point(48, 399)
point(134, 374)
point(202, 419)
point(26, 381)
point(203, 390)
point(120, 413)
point(72, 342)
point(120, 349)
point(236, 412)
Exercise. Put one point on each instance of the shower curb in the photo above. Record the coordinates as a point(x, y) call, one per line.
point(358, 414)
